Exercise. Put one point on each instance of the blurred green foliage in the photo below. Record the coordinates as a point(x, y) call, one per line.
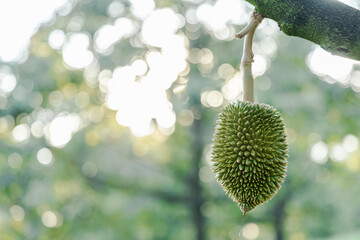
point(107, 183)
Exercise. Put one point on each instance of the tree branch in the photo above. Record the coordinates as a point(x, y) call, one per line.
point(331, 24)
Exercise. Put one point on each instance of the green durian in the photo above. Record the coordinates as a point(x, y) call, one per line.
point(249, 153)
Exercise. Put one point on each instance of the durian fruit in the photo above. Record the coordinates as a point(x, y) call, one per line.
point(249, 153)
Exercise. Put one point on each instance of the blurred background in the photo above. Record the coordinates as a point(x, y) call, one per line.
point(107, 110)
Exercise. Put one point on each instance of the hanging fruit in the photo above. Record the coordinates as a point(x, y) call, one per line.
point(249, 151)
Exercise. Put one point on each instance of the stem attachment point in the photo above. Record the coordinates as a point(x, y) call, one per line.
point(248, 56)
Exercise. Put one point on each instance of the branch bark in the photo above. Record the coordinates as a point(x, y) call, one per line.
point(331, 24)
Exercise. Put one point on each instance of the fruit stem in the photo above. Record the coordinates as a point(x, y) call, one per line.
point(248, 56)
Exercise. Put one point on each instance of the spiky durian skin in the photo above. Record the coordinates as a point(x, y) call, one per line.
point(249, 152)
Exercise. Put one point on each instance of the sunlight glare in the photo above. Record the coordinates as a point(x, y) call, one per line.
point(351, 3)
point(139, 66)
point(107, 35)
point(158, 29)
point(323, 63)
point(75, 51)
point(138, 102)
point(138, 91)
point(164, 68)
point(165, 118)
point(61, 129)
point(232, 88)
point(7, 82)
point(56, 39)
point(120, 87)
point(267, 46)
point(216, 17)
point(141, 8)
point(260, 65)
point(19, 20)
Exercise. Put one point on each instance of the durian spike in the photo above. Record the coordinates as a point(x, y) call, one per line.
point(248, 56)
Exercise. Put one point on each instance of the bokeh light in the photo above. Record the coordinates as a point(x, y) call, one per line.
point(17, 212)
point(60, 130)
point(319, 152)
point(37, 129)
point(107, 110)
point(56, 38)
point(76, 51)
point(44, 156)
point(186, 117)
point(250, 231)
point(107, 35)
point(330, 67)
point(115, 9)
point(217, 17)
point(21, 132)
point(338, 153)
point(142, 9)
point(232, 87)
point(51, 219)
point(138, 91)
point(350, 143)
point(7, 82)
point(24, 23)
